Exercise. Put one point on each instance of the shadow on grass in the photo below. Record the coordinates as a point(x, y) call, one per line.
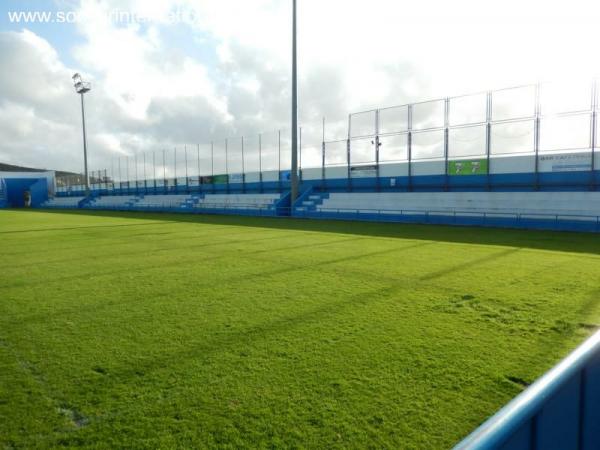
point(534, 239)
point(284, 268)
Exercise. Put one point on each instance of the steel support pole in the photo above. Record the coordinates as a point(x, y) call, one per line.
point(594, 131)
point(85, 161)
point(294, 175)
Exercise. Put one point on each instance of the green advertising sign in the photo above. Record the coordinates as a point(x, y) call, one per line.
point(220, 179)
point(468, 167)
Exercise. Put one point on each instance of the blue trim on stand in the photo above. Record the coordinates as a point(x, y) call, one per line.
point(525, 221)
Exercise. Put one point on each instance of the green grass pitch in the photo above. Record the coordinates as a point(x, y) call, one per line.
point(125, 330)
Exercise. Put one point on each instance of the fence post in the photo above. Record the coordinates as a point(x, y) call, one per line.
point(198, 155)
point(300, 154)
point(323, 165)
point(154, 170)
point(227, 163)
point(112, 174)
point(279, 159)
point(212, 165)
point(488, 136)
point(175, 169)
point(164, 170)
point(409, 146)
point(594, 132)
point(348, 158)
point(349, 162)
point(446, 140)
point(260, 174)
point(536, 137)
point(127, 170)
point(187, 183)
point(377, 145)
point(243, 168)
point(145, 183)
point(135, 172)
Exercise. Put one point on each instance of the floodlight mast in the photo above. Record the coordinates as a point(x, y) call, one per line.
point(81, 87)
point(294, 174)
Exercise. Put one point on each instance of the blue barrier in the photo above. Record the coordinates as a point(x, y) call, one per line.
point(560, 411)
point(556, 222)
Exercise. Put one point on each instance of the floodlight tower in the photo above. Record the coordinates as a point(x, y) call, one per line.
point(81, 87)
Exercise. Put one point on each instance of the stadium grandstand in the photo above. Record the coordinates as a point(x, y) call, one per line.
point(515, 157)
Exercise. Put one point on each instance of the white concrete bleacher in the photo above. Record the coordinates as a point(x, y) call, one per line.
point(112, 201)
point(576, 205)
point(62, 202)
point(162, 201)
point(237, 201)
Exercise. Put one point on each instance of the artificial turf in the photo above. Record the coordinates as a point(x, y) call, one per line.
point(125, 330)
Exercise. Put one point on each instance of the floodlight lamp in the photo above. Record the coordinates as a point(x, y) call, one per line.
point(81, 87)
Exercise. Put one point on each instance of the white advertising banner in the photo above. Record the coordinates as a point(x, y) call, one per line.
point(236, 178)
point(565, 162)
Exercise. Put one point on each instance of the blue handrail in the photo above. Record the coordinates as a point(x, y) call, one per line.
point(559, 411)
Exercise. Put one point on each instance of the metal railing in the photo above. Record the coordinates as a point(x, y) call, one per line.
point(559, 411)
point(181, 206)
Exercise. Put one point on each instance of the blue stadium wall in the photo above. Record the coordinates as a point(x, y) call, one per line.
point(3, 200)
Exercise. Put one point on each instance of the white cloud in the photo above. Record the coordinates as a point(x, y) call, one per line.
point(152, 92)
point(135, 66)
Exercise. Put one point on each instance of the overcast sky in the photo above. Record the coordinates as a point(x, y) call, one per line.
point(171, 72)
